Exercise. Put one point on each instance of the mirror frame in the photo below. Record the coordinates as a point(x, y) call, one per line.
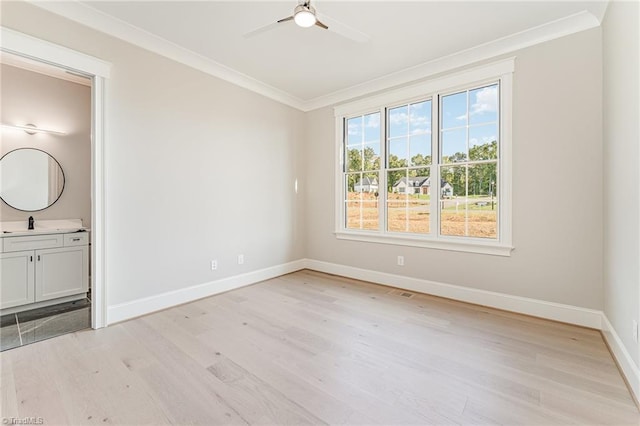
point(64, 179)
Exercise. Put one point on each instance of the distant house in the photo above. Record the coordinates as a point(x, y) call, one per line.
point(446, 189)
point(411, 185)
point(421, 185)
point(366, 184)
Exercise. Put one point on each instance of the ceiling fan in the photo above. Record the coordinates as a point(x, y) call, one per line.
point(305, 16)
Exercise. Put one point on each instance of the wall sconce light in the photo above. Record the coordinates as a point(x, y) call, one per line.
point(32, 129)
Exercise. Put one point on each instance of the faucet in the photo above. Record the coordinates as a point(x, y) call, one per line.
point(30, 222)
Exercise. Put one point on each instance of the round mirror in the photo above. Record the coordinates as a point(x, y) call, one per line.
point(30, 179)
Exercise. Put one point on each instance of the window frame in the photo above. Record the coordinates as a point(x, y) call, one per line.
point(498, 72)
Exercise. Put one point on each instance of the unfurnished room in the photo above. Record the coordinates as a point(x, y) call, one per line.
point(320, 212)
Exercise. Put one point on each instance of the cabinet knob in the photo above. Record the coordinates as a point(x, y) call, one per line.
point(30, 258)
point(38, 258)
point(75, 239)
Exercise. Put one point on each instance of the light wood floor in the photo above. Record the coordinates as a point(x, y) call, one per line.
point(314, 348)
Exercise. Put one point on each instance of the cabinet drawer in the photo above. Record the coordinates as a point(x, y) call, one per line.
point(32, 242)
point(76, 239)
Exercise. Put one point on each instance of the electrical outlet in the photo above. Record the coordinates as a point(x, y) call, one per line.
point(214, 265)
point(400, 260)
point(240, 259)
point(635, 331)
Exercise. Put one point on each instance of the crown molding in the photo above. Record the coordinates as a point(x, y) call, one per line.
point(117, 28)
point(100, 21)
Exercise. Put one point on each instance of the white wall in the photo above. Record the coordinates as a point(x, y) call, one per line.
point(557, 185)
point(196, 168)
point(50, 103)
point(621, 40)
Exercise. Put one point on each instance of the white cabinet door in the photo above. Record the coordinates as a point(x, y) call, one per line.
point(16, 278)
point(61, 272)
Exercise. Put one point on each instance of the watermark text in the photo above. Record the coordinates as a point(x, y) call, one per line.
point(22, 421)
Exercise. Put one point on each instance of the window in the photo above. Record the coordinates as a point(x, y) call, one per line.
point(429, 165)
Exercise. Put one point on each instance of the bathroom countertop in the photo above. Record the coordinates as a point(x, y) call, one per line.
point(63, 226)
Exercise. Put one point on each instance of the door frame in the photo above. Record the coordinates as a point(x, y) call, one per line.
point(98, 70)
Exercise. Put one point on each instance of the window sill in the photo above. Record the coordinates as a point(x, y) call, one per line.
point(468, 246)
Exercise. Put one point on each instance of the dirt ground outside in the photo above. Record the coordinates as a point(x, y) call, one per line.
point(460, 218)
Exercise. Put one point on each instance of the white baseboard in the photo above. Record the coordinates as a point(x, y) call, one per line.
point(629, 369)
point(139, 307)
point(554, 311)
point(539, 308)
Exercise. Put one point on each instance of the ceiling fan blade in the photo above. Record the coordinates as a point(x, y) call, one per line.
point(288, 18)
point(321, 25)
point(261, 30)
point(343, 29)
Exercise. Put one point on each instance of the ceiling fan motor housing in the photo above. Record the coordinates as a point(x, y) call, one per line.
point(304, 15)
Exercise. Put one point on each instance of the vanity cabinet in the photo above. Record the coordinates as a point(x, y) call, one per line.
point(40, 268)
point(17, 279)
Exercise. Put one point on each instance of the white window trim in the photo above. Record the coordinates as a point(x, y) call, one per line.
point(501, 71)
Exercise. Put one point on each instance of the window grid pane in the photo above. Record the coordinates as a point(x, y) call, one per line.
point(361, 147)
point(408, 168)
point(468, 163)
point(408, 200)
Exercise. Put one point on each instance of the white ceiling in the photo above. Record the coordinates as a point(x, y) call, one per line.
point(312, 67)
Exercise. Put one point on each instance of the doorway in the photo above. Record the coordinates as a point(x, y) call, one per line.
point(45, 174)
point(97, 71)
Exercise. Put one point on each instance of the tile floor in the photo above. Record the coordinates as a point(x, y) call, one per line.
point(31, 326)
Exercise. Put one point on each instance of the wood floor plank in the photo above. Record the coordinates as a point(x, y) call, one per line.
point(265, 403)
point(37, 392)
point(186, 393)
point(106, 392)
point(312, 348)
point(320, 404)
point(8, 397)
